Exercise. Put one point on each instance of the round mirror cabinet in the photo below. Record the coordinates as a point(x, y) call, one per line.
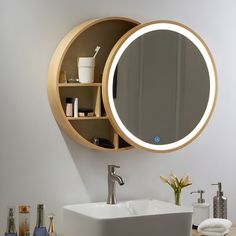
point(154, 85)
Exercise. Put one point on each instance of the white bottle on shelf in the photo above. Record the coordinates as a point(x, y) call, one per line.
point(76, 107)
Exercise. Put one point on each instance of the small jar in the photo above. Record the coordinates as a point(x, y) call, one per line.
point(24, 220)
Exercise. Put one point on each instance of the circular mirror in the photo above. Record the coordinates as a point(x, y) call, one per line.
point(159, 86)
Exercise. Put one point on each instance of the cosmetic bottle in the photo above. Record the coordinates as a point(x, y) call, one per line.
point(69, 107)
point(76, 103)
point(62, 77)
point(24, 220)
point(51, 227)
point(11, 228)
point(219, 204)
point(201, 210)
point(40, 229)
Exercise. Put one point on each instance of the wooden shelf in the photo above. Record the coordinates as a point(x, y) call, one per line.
point(79, 85)
point(81, 42)
point(88, 118)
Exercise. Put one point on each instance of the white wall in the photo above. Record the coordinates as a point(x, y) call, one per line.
point(39, 163)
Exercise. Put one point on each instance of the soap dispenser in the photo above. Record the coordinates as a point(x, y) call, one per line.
point(201, 210)
point(219, 204)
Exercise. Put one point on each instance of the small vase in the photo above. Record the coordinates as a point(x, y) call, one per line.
point(177, 198)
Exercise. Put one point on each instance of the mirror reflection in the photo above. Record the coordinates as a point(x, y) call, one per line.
point(161, 87)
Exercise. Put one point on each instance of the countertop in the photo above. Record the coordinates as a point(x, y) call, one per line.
point(232, 232)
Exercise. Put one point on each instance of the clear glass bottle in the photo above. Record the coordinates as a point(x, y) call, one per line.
point(40, 229)
point(24, 220)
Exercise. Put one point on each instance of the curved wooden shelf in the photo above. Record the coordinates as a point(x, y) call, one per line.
point(88, 118)
point(79, 85)
point(79, 42)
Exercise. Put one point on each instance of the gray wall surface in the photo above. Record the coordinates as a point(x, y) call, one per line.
point(39, 163)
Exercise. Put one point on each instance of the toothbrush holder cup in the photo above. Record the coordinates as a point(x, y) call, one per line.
point(86, 69)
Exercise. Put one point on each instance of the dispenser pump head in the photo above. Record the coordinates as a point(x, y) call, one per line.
point(219, 192)
point(201, 199)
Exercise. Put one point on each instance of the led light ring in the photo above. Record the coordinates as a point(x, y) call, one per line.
point(212, 77)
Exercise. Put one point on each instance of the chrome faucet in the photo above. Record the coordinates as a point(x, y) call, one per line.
point(112, 179)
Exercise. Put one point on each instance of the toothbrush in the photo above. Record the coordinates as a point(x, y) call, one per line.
point(96, 51)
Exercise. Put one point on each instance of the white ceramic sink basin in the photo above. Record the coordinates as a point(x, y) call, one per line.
point(137, 217)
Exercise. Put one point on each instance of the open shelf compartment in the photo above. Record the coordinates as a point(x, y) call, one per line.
point(81, 42)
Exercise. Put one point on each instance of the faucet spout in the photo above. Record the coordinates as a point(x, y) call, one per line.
point(112, 179)
point(118, 179)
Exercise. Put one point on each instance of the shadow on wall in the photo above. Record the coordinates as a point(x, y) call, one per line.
point(139, 169)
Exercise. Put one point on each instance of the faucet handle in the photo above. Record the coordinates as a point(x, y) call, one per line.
point(114, 166)
point(111, 168)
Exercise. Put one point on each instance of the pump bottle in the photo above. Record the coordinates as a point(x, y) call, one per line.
point(219, 203)
point(201, 210)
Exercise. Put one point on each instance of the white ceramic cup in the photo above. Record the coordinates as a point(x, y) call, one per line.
point(86, 69)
